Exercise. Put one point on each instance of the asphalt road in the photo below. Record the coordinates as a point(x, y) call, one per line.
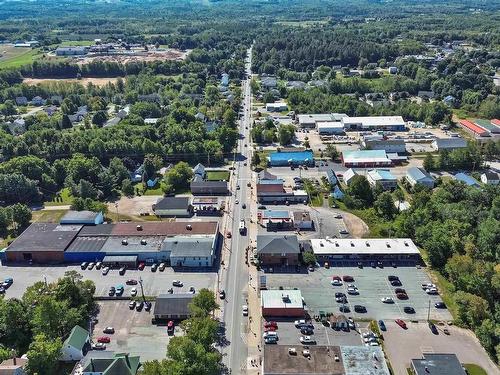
point(236, 279)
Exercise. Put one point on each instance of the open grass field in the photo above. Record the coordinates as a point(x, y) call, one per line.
point(100, 82)
point(63, 198)
point(473, 369)
point(218, 176)
point(13, 57)
point(48, 216)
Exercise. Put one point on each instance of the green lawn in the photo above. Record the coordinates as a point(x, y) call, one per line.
point(473, 369)
point(218, 176)
point(48, 216)
point(25, 57)
point(71, 43)
point(63, 198)
point(157, 190)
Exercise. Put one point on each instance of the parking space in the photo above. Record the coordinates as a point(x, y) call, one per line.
point(134, 332)
point(154, 283)
point(372, 285)
point(323, 335)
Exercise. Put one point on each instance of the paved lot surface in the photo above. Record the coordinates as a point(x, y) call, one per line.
point(154, 282)
point(403, 345)
point(290, 335)
point(373, 285)
point(134, 332)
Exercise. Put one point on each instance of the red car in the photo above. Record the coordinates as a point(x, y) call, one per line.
point(271, 324)
point(104, 339)
point(347, 278)
point(141, 266)
point(401, 323)
point(336, 278)
point(270, 329)
point(402, 295)
point(131, 282)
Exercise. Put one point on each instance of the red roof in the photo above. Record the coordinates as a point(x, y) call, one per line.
point(473, 127)
point(495, 122)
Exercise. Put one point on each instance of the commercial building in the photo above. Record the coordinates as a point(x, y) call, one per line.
point(282, 303)
point(82, 218)
point(383, 177)
point(76, 345)
point(378, 142)
point(71, 51)
point(302, 220)
point(278, 250)
point(330, 127)
point(365, 159)
point(276, 107)
point(473, 129)
point(265, 175)
point(280, 159)
point(193, 251)
point(203, 187)
point(173, 207)
point(311, 120)
point(270, 186)
point(207, 206)
point(376, 123)
point(347, 251)
point(420, 176)
point(437, 364)
point(172, 306)
point(448, 143)
point(14, 366)
point(275, 219)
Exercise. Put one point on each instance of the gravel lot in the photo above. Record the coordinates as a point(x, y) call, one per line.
point(373, 285)
point(154, 282)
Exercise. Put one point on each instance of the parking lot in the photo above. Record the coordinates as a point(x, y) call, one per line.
point(154, 283)
point(290, 335)
point(372, 284)
point(134, 332)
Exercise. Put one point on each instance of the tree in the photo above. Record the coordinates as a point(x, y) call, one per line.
point(68, 107)
point(359, 189)
point(286, 134)
point(66, 122)
point(203, 304)
point(487, 333)
point(8, 108)
point(127, 188)
point(472, 310)
point(309, 258)
point(118, 170)
point(179, 176)
point(43, 355)
point(331, 151)
point(99, 118)
point(429, 162)
point(21, 215)
point(151, 164)
point(384, 205)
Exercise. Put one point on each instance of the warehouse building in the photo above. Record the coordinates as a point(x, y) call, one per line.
point(71, 51)
point(330, 127)
point(282, 303)
point(448, 143)
point(173, 207)
point(365, 159)
point(374, 123)
point(350, 251)
point(280, 159)
point(378, 142)
point(311, 120)
point(473, 129)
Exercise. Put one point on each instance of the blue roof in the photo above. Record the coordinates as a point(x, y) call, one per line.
point(275, 213)
point(271, 182)
point(293, 156)
point(385, 174)
point(466, 179)
point(419, 174)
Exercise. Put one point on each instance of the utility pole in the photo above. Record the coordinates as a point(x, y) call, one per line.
point(429, 311)
point(117, 214)
point(142, 289)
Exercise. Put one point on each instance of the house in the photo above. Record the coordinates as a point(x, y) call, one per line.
point(17, 127)
point(295, 85)
point(71, 51)
point(467, 180)
point(151, 183)
point(107, 362)
point(425, 94)
point(172, 307)
point(437, 364)
point(276, 107)
point(124, 112)
point(366, 159)
point(281, 250)
point(282, 303)
point(202, 187)
point(420, 176)
point(448, 143)
point(200, 116)
point(490, 178)
point(383, 177)
point(277, 159)
point(56, 99)
point(348, 175)
point(449, 100)
point(82, 218)
point(275, 220)
point(225, 79)
point(268, 82)
point(13, 366)
point(393, 70)
point(152, 98)
point(332, 177)
point(21, 100)
point(376, 99)
point(112, 121)
point(76, 346)
point(173, 207)
point(338, 322)
point(38, 101)
point(302, 220)
point(199, 170)
point(50, 110)
point(265, 175)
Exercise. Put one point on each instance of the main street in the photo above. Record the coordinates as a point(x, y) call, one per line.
point(235, 282)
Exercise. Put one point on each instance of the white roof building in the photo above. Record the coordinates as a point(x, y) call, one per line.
point(330, 127)
point(342, 247)
point(374, 122)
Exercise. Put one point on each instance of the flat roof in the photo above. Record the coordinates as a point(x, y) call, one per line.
point(285, 156)
point(120, 259)
point(277, 360)
point(374, 120)
point(45, 237)
point(438, 364)
point(80, 215)
point(363, 246)
point(281, 299)
point(359, 156)
point(329, 124)
point(275, 214)
point(173, 304)
point(164, 228)
point(134, 244)
point(363, 360)
point(87, 244)
point(381, 174)
point(199, 246)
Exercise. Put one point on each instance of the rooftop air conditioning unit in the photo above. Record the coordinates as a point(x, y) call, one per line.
point(189, 227)
point(124, 242)
point(143, 242)
point(139, 227)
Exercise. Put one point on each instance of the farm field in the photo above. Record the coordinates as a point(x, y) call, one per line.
point(84, 81)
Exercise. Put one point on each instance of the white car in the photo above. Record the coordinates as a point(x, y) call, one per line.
point(105, 270)
point(432, 291)
point(306, 340)
point(300, 323)
point(369, 339)
point(367, 334)
point(336, 282)
point(244, 309)
point(133, 292)
point(352, 291)
point(387, 300)
point(236, 201)
point(352, 286)
point(372, 344)
point(428, 286)
point(161, 267)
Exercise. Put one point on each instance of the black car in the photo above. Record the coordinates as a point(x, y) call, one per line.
point(139, 306)
point(399, 290)
point(440, 305)
point(243, 205)
point(222, 294)
point(306, 331)
point(360, 265)
point(396, 283)
point(344, 309)
point(359, 308)
point(122, 271)
point(392, 278)
point(409, 310)
point(339, 294)
point(147, 306)
point(84, 265)
point(261, 207)
point(433, 328)
point(112, 291)
point(154, 266)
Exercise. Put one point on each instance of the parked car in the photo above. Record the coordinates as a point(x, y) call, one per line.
point(336, 282)
point(392, 278)
point(306, 331)
point(310, 268)
point(271, 323)
point(99, 346)
point(98, 265)
point(402, 295)
point(122, 271)
point(108, 330)
point(431, 291)
point(91, 266)
point(307, 340)
point(387, 300)
point(396, 283)
point(222, 294)
point(401, 323)
point(409, 310)
point(111, 291)
point(300, 323)
point(105, 271)
point(161, 267)
point(154, 267)
point(131, 305)
point(139, 306)
point(104, 339)
point(341, 299)
point(262, 207)
point(147, 306)
point(191, 290)
point(244, 310)
point(399, 290)
point(344, 309)
point(177, 283)
point(131, 282)
point(348, 278)
point(133, 292)
point(359, 308)
point(381, 325)
point(353, 291)
point(84, 265)
point(440, 305)
point(141, 266)
point(433, 328)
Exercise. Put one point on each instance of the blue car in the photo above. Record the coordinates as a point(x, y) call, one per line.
point(381, 324)
point(9, 280)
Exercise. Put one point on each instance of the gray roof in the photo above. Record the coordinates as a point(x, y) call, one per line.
point(490, 175)
point(199, 169)
point(265, 175)
point(274, 244)
point(45, 237)
point(135, 244)
point(79, 216)
point(451, 142)
point(97, 230)
point(173, 304)
point(419, 174)
point(119, 258)
point(189, 247)
point(438, 364)
point(87, 244)
point(172, 203)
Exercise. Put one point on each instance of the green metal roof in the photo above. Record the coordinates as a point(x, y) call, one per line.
point(77, 338)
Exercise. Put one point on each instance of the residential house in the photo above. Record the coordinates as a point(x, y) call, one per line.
point(393, 70)
point(200, 116)
point(124, 112)
point(449, 100)
point(17, 127)
point(56, 99)
point(203, 187)
point(268, 82)
point(225, 79)
point(21, 100)
point(383, 177)
point(173, 207)
point(152, 98)
point(38, 101)
point(283, 250)
point(199, 170)
point(348, 175)
point(107, 362)
point(13, 366)
point(76, 346)
point(295, 85)
point(420, 176)
point(112, 122)
point(276, 107)
point(50, 110)
point(466, 179)
point(490, 178)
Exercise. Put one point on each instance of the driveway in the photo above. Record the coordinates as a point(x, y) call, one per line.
point(401, 346)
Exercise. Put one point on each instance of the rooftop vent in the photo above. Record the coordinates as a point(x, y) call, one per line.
point(321, 244)
point(406, 244)
point(139, 227)
point(367, 244)
point(124, 242)
point(189, 227)
point(143, 242)
point(337, 244)
point(388, 244)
